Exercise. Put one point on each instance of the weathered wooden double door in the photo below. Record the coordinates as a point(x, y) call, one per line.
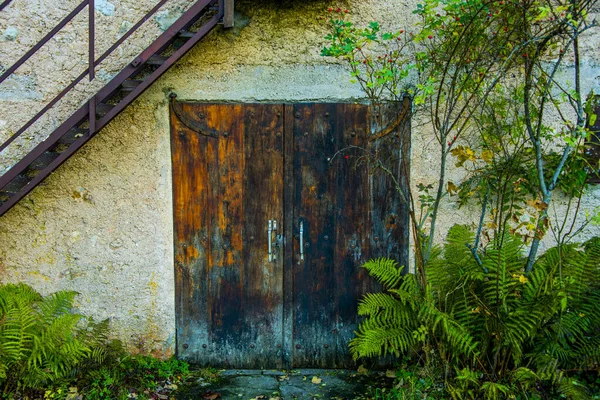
point(274, 215)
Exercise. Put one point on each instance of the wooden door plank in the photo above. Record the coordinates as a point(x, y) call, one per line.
point(263, 195)
point(224, 335)
point(228, 294)
point(314, 310)
point(389, 209)
point(354, 241)
point(191, 196)
point(289, 248)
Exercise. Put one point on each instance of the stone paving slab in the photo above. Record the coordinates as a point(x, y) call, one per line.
point(303, 384)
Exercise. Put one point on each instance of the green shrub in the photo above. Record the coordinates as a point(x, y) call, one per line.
point(492, 329)
point(42, 341)
point(132, 374)
point(49, 351)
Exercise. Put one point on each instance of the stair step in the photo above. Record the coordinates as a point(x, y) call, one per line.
point(44, 160)
point(186, 34)
point(156, 60)
point(102, 109)
point(5, 195)
point(130, 84)
point(72, 135)
point(16, 184)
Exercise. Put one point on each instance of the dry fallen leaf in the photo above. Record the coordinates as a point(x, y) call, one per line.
point(390, 374)
point(362, 370)
point(316, 380)
point(537, 204)
point(212, 396)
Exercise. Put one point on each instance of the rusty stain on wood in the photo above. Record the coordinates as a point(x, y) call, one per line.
point(291, 164)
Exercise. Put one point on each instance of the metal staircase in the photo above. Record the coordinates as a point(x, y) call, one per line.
point(109, 101)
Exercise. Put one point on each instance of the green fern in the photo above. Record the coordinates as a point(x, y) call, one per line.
point(385, 270)
point(487, 314)
point(41, 339)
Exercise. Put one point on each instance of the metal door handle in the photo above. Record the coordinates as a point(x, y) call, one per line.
point(272, 227)
point(274, 251)
point(270, 239)
point(301, 240)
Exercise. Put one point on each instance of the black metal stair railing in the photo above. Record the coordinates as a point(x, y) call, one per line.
point(110, 100)
point(4, 3)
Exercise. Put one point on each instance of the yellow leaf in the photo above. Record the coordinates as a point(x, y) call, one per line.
point(522, 279)
point(463, 154)
point(452, 188)
point(537, 204)
point(390, 374)
point(316, 380)
point(487, 156)
point(362, 370)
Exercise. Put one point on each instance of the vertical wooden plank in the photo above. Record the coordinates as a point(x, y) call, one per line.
point(262, 299)
point(389, 209)
point(223, 341)
point(314, 310)
point(354, 242)
point(229, 297)
point(290, 245)
point(193, 157)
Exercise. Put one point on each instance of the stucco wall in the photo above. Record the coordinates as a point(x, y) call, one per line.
point(102, 224)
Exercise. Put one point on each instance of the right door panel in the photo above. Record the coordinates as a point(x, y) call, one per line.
point(345, 211)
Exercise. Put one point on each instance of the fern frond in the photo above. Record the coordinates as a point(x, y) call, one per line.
point(372, 342)
point(459, 339)
point(571, 388)
point(387, 308)
point(56, 304)
point(494, 390)
point(42, 340)
point(385, 270)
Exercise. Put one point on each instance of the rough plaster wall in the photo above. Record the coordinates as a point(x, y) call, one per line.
point(102, 224)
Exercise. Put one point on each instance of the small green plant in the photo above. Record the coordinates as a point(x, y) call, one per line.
point(47, 350)
point(42, 341)
point(491, 329)
point(210, 375)
point(138, 375)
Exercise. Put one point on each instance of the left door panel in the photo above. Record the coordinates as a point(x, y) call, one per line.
point(227, 185)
